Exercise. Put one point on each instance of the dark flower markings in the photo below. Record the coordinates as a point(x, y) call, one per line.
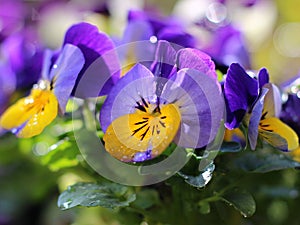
point(144, 107)
point(264, 126)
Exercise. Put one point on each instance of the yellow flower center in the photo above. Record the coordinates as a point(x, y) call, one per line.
point(148, 128)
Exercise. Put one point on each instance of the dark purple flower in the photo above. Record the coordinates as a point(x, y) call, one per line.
point(240, 91)
point(228, 46)
point(25, 55)
point(290, 113)
point(256, 103)
point(163, 28)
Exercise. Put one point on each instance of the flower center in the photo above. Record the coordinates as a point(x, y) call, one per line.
point(150, 128)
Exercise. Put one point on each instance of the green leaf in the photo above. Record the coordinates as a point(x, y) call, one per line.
point(146, 199)
point(252, 162)
point(231, 146)
point(61, 155)
point(241, 201)
point(204, 207)
point(202, 179)
point(107, 195)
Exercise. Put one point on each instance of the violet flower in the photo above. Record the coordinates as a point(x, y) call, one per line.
point(162, 28)
point(146, 111)
point(257, 103)
point(62, 71)
point(290, 113)
point(12, 14)
point(228, 46)
point(240, 91)
point(25, 56)
point(7, 85)
point(30, 115)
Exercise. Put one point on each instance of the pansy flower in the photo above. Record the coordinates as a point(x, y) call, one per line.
point(260, 114)
point(146, 111)
point(62, 73)
point(30, 115)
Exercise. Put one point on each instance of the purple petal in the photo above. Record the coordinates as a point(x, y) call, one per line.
point(25, 57)
point(94, 44)
point(139, 81)
point(156, 20)
point(255, 118)
point(163, 65)
point(177, 36)
point(196, 59)
point(65, 71)
point(136, 47)
point(47, 64)
point(142, 156)
point(273, 103)
point(7, 85)
point(228, 46)
point(290, 112)
point(240, 93)
point(263, 77)
point(137, 31)
point(12, 15)
point(201, 106)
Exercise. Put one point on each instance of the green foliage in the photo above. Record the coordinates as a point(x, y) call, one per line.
point(108, 195)
point(241, 201)
point(61, 155)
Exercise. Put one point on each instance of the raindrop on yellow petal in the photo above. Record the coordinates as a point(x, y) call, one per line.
point(35, 111)
point(141, 131)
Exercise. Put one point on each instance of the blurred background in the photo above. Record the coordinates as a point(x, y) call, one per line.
point(31, 178)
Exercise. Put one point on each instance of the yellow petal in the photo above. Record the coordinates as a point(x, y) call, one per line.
point(271, 127)
point(35, 111)
point(141, 131)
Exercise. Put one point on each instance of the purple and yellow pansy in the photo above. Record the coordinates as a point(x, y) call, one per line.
point(148, 109)
point(61, 73)
point(256, 104)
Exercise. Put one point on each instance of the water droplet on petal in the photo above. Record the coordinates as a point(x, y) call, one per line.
point(67, 204)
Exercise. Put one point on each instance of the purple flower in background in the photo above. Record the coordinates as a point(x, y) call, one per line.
point(290, 113)
point(101, 69)
point(247, 3)
point(12, 14)
point(24, 53)
point(228, 46)
point(146, 111)
point(7, 85)
point(162, 28)
point(30, 115)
